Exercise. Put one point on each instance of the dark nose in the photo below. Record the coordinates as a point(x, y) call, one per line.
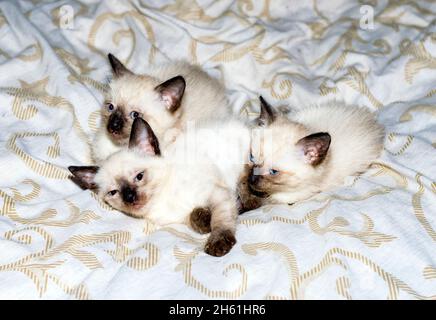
point(115, 124)
point(253, 179)
point(129, 195)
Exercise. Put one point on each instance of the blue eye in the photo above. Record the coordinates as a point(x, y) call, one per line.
point(273, 172)
point(251, 158)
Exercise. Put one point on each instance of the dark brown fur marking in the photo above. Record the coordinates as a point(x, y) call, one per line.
point(200, 220)
point(220, 242)
point(246, 200)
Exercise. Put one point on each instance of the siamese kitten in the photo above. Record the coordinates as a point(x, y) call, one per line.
point(311, 151)
point(194, 182)
point(161, 97)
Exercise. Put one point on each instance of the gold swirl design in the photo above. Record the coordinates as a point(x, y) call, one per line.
point(36, 55)
point(185, 266)
point(342, 286)
point(285, 87)
point(36, 271)
point(185, 236)
point(94, 120)
point(109, 16)
point(429, 109)
point(36, 92)
point(43, 168)
point(421, 59)
point(237, 51)
point(419, 211)
point(187, 10)
point(429, 272)
point(36, 267)
point(268, 219)
point(79, 70)
point(36, 189)
point(384, 169)
point(247, 5)
point(299, 281)
point(391, 138)
point(46, 217)
point(367, 234)
point(357, 82)
point(141, 264)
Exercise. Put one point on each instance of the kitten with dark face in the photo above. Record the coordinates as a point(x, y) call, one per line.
point(312, 151)
point(161, 97)
point(194, 182)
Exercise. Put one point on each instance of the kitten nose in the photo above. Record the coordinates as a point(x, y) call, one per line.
point(129, 195)
point(253, 178)
point(115, 124)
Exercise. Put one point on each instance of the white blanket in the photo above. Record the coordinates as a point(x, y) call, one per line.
point(375, 237)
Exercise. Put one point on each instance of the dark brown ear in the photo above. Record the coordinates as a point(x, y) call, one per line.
point(315, 147)
point(267, 113)
point(142, 138)
point(171, 92)
point(118, 68)
point(84, 176)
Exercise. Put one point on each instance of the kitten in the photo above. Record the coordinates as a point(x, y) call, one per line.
point(311, 151)
point(161, 97)
point(194, 182)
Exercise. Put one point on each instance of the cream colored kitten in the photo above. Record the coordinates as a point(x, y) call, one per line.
point(313, 151)
point(167, 97)
point(194, 182)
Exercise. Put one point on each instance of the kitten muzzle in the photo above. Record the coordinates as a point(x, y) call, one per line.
point(115, 124)
point(253, 181)
point(129, 195)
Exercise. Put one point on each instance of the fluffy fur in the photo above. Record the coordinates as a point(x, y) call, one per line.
point(310, 152)
point(194, 182)
point(167, 106)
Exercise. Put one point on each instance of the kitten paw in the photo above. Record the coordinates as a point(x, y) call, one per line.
point(200, 220)
point(220, 243)
point(247, 202)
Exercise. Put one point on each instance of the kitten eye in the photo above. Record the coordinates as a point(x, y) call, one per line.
point(112, 193)
point(139, 176)
point(251, 158)
point(110, 107)
point(134, 114)
point(273, 172)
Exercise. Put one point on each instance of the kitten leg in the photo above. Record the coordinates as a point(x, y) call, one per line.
point(200, 220)
point(246, 200)
point(223, 223)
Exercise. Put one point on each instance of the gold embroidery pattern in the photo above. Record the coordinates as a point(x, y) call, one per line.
point(62, 242)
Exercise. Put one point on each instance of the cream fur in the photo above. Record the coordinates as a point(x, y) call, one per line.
point(200, 169)
point(204, 99)
point(356, 141)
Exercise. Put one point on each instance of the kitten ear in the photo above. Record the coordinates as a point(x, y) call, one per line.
point(315, 147)
point(267, 113)
point(84, 176)
point(118, 68)
point(171, 92)
point(143, 138)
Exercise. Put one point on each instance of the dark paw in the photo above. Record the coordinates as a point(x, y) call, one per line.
point(220, 243)
point(200, 220)
point(248, 203)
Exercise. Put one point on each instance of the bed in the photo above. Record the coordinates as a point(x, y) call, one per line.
point(373, 238)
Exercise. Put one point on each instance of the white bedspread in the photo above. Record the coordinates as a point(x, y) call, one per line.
point(373, 238)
